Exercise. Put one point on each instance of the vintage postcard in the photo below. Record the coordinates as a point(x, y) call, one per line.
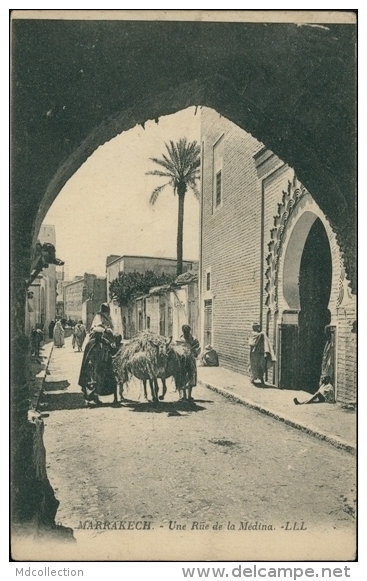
point(184, 327)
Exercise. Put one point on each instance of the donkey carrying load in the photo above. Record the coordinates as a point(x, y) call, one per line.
point(150, 357)
point(145, 358)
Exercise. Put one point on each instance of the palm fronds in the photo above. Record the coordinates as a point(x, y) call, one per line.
point(181, 162)
point(156, 192)
point(194, 188)
point(156, 172)
point(166, 163)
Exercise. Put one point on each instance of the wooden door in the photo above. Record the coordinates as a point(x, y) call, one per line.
point(289, 356)
point(208, 322)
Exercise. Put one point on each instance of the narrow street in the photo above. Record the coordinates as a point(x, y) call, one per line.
point(213, 461)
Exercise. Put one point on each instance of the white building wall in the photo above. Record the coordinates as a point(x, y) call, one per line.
point(180, 311)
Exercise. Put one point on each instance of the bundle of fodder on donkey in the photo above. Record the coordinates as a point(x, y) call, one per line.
point(146, 358)
point(181, 365)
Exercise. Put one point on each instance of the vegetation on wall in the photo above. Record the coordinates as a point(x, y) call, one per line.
point(130, 285)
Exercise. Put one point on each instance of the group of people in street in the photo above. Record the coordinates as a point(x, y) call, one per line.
point(56, 330)
point(64, 323)
point(97, 377)
point(96, 374)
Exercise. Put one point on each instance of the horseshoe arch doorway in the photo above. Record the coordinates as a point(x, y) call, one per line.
point(307, 282)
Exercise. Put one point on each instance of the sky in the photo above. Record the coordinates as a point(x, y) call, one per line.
point(104, 208)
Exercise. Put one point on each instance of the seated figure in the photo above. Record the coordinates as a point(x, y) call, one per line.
point(209, 357)
point(325, 393)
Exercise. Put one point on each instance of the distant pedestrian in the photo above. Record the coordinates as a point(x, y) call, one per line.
point(325, 393)
point(58, 334)
point(261, 354)
point(79, 335)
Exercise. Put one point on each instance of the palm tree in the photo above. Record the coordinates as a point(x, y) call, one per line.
point(181, 167)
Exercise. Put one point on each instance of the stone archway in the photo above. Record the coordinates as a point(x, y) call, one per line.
point(216, 92)
point(166, 103)
point(66, 102)
point(62, 111)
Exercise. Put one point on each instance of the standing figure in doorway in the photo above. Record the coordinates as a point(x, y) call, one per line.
point(327, 356)
point(51, 330)
point(261, 354)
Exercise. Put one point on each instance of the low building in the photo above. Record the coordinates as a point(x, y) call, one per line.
point(83, 297)
point(127, 320)
point(184, 304)
point(165, 309)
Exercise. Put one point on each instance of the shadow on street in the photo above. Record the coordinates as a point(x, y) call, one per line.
point(75, 400)
point(172, 408)
point(56, 385)
point(62, 401)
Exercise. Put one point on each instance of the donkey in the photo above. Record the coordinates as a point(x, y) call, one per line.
point(146, 359)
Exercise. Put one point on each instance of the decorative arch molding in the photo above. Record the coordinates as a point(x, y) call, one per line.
point(290, 199)
point(296, 214)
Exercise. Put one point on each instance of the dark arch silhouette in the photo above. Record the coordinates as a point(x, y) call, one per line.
point(292, 87)
point(77, 84)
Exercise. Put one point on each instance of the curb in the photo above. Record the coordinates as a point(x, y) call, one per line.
point(333, 440)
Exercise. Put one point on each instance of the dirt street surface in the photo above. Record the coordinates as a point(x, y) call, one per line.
point(210, 461)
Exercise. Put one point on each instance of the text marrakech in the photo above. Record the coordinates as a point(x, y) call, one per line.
point(121, 525)
point(48, 572)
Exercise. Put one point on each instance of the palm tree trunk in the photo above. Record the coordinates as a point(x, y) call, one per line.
point(181, 200)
